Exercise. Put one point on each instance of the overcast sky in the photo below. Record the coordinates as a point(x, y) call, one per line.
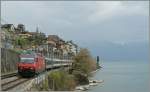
point(84, 22)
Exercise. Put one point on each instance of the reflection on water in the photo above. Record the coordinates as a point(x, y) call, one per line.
point(123, 76)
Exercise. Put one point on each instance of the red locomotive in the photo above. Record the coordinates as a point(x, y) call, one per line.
point(31, 64)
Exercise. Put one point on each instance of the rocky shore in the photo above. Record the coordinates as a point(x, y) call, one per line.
point(92, 82)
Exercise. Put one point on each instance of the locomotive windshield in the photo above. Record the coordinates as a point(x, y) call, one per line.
point(27, 60)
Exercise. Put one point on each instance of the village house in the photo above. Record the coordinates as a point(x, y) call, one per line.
point(55, 44)
point(71, 48)
point(26, 35)
point(50, 46)
point(20, 31)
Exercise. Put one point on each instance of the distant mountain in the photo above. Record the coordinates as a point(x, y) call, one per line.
point(113, 51)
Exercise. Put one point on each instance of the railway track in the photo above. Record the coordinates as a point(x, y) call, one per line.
point(9, 75)
point(12, 84)
point(10, 81)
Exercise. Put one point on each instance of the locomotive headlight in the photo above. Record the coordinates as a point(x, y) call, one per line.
point(31, 68)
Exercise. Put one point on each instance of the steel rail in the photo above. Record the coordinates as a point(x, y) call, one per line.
point(8, 75)
point(8, 86)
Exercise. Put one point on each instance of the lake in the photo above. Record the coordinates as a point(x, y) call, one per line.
point(123, 76)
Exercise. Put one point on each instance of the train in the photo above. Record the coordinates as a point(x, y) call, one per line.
point(34, 64)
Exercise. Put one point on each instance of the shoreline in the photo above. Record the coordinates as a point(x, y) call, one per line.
point(92, 83)
point(95, 70)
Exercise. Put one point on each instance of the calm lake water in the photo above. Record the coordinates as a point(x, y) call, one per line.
point(123, 76)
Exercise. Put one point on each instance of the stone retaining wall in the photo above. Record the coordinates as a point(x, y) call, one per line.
point(9, 59)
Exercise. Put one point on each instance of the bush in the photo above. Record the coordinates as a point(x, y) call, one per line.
point(82, 66)
point(84, 62)
point(59, 81)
